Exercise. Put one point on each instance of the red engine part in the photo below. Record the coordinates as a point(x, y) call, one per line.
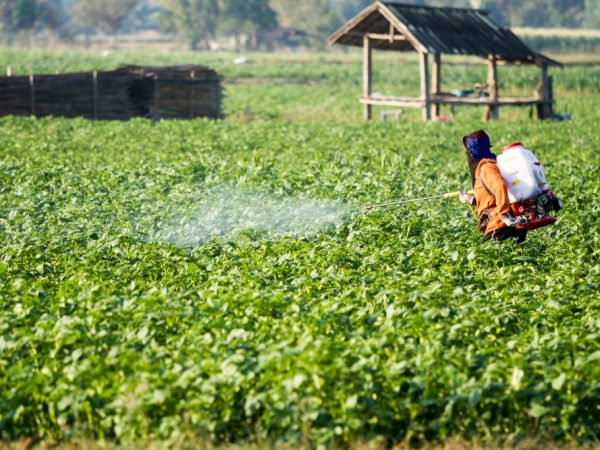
point(535, 221)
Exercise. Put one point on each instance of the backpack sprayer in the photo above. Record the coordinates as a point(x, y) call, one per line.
point(528, 191)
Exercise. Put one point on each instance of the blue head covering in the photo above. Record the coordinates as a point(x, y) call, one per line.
point(478, 144)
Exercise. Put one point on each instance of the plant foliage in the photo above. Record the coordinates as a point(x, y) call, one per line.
point(399, 323)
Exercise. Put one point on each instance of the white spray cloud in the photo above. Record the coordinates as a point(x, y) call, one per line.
point(228, 212)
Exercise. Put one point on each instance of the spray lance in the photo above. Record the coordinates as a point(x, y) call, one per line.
point(422, 199)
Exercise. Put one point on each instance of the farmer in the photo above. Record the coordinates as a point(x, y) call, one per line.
point(491, 197)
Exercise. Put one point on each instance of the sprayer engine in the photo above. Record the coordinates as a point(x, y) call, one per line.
point(537, 211)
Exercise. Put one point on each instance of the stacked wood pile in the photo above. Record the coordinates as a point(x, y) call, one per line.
point(182, 92)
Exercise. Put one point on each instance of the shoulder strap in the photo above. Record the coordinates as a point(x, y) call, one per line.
point(489, 191)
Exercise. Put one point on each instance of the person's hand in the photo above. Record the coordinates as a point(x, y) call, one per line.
point(511, 221)
point(466, 198)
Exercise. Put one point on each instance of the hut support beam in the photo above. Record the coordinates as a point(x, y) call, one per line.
point(425, 91)
point(367, 76)
point(491, 111)
point(436, 82)
point(546, 95)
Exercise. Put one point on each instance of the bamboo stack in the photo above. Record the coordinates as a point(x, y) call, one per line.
point(183, 92)
point(16, 96)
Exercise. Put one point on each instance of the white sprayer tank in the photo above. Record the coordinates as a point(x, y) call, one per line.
point(522, 173)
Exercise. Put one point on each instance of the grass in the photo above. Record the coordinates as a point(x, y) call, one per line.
point(318, 87)
point(389, 328)
point(193, 443)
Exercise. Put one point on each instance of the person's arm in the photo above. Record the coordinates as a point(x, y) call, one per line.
point(466, 198)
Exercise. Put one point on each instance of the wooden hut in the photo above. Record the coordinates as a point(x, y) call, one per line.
point(387, 25)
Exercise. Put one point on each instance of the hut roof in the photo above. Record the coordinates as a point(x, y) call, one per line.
point(459, 31)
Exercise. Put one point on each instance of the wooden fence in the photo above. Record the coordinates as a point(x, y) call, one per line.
point(182, 92)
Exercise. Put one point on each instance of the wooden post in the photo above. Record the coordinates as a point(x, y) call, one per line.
point(156, 115)
point(367, 76)
point(95, 88)
point(436, 81)
point(491, 111)
point(192, 92)
point(425, 97)
point(32, 92)
point(545, 109)
point(550, 98)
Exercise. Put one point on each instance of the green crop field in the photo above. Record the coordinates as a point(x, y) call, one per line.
point(222, 280)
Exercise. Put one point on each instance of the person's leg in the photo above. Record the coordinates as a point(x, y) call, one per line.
point(499, 234)
point(520, 236)
point(504, 233)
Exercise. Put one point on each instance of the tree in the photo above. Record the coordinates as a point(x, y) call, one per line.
point(316, 17)
point(144, 16)
point(17, 16)
point(191, 20)
point(255, 17)
point(28, 16)
point(24, 14)
point(348, 8)
point(5, 19)
point(592, 14)
point(53, 14)
point(105, 15)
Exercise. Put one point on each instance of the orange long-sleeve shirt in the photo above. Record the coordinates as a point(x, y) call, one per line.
point(490, 192)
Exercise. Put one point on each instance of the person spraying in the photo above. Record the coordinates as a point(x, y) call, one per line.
point(510, 191)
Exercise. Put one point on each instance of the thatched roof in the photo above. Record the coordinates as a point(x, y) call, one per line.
point(458, 31)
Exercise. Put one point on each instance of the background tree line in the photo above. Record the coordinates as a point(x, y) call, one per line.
point(251, 22)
